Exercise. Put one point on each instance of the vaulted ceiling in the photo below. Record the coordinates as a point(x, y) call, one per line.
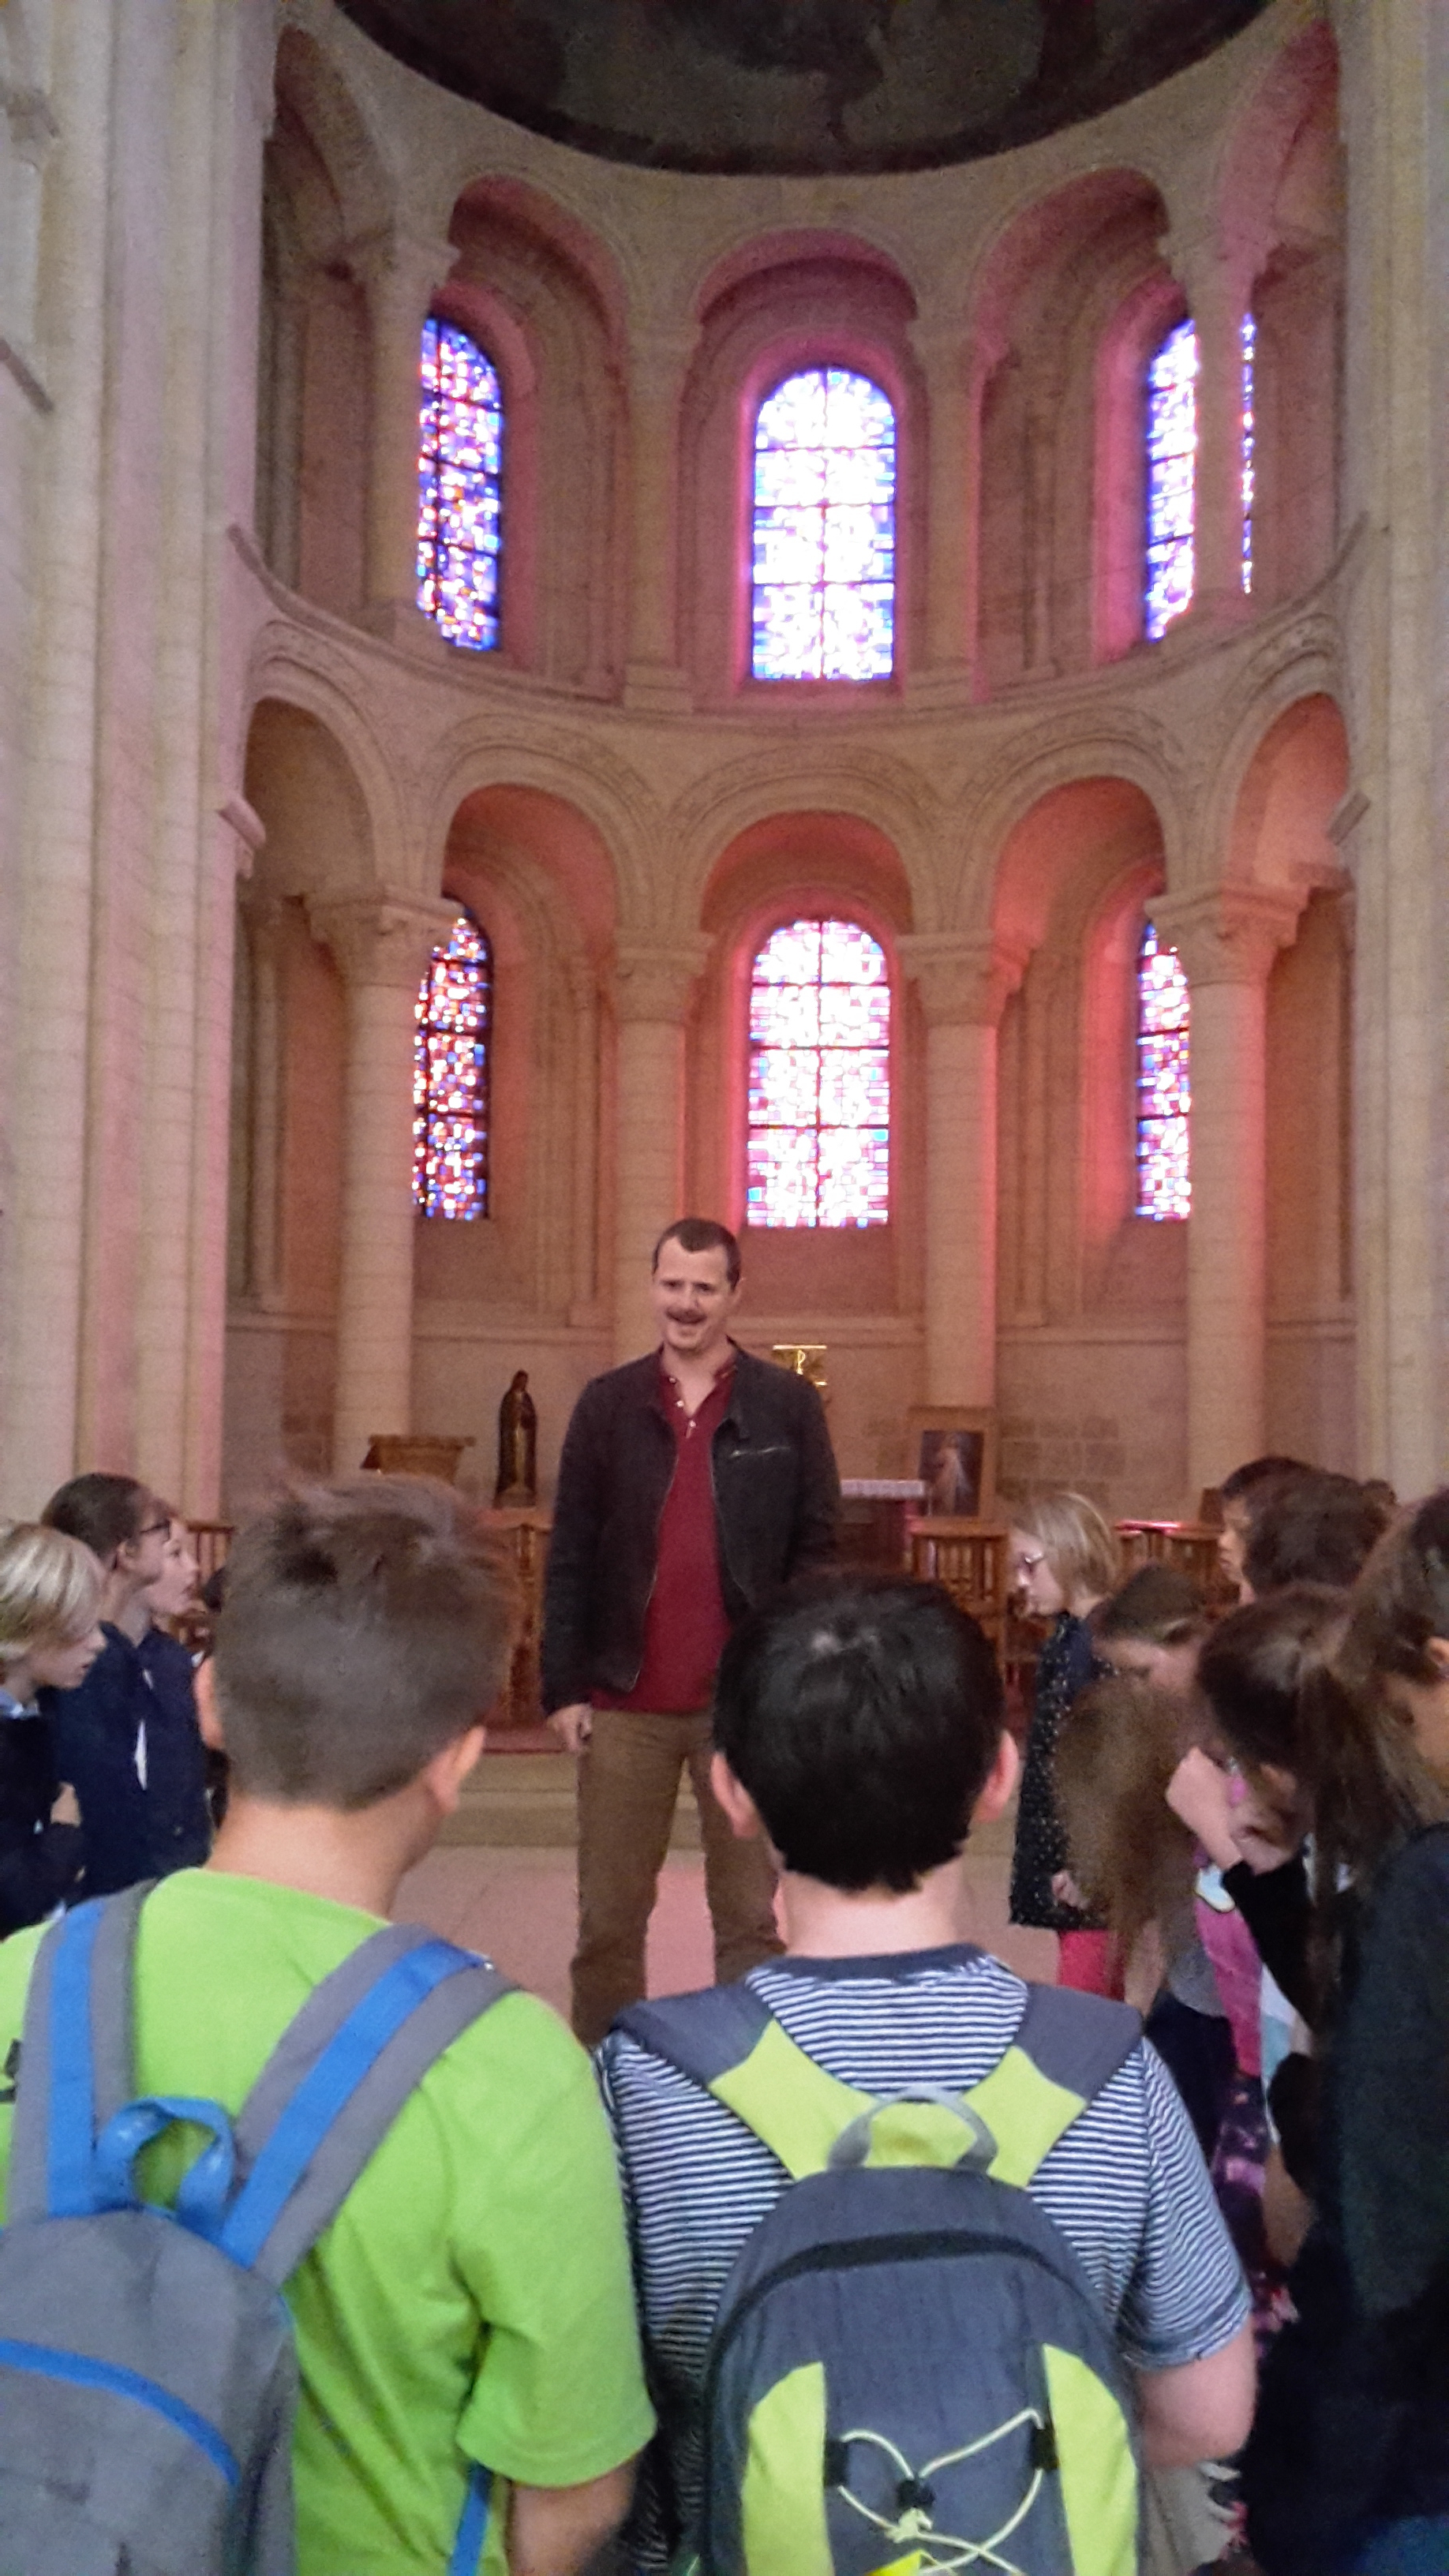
point(798, 86)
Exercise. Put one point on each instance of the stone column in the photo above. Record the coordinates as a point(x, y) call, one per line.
point(1227, 941)
point(964, 985)
point(1394, 826)
point(661, 359)
point(652, 992)
point(952, 509)
point(382, 943)
point(1217, 278)
point(264, 918)
point(401, 275)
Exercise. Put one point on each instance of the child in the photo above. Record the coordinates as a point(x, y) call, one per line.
point(1065, 1559)
point(50, 1593)
point(1349, 2464)
point(470, 2301)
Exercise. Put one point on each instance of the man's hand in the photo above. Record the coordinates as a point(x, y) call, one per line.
point(573, 1725)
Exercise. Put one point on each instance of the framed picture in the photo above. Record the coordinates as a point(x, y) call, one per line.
point(953, 1451)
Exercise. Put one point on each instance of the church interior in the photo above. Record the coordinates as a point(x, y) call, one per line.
point(1104, 731)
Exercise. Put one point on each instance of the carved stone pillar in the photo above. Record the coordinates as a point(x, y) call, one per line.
point(401, 276)
point(652, 992)
point(964, 985)
point(264, 918)
point(1227, 941)
point(382, 943)
point(661, 361)
point(1217, 279)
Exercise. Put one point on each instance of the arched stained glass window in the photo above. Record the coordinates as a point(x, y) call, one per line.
point(1164, 1090)
point(450, 1076)
point(1171, 472)
point(820, 1081)
point(460, 465)
point(824, 530)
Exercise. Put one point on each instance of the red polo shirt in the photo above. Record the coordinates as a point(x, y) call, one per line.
point(685, 1625)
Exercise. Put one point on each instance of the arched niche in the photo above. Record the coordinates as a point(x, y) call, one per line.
point(1063, 312)
point(288, 1060)
point(781, 868)
point(535, 874)
point(323, 192)
point(541, 298)
point(770, 317)
point(1280, 837)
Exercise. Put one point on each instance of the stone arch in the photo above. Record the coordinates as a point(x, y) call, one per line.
point(1057, 406)
point(547, 301)
point(1140, 754)
point(283, 676)
point(1290, 672)
point(1287, 793)
point(325, 192)
point(776, 305)
point(567, 773)
point(802, 860)
point(880, 794)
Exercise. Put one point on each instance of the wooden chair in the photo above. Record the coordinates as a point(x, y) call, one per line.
point(969, 1559)
point(1192, 1546)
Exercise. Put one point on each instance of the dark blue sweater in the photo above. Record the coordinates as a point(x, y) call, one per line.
point(133, 1830)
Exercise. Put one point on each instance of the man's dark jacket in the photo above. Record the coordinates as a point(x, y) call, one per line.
point(130, 1832)
point(776, 1506)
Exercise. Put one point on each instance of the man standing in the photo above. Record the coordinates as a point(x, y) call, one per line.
point(692, 1484)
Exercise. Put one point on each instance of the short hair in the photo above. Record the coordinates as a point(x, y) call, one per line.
point(1079, 1545)
point(1158, 1604)
point(366, 1625)
point(863, 1716)
point(702, 1234)
point(1312, 1528)
point(50, 1589)
point(103, 1512)
point(1258, 1471)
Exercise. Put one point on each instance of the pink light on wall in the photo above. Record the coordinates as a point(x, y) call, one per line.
point(818, 1118)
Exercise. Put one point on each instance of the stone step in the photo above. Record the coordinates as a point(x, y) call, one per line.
point(526, 1801)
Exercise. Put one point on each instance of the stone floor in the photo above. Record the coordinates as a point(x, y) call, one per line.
point(516, 1902)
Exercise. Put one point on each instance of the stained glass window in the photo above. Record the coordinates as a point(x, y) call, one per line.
point(1171, 464)
point(1250, 477)
point(450, 1076)
point(1164, 1090)
point(460, 463)
point(820, 1081)
point(825, 530)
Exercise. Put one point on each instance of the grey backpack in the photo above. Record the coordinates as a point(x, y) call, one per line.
point(148, 2375)
point(910, 2370)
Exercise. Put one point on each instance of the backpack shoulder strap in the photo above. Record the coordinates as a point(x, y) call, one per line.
point(1068, 2046)
point(336, 2081)
point(729, 2042)
point(76, 2062)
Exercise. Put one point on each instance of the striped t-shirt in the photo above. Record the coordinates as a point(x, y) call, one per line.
point(1126, 2185)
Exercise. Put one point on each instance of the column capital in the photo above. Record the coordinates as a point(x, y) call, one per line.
point(657, 983)
point(963, 980)
point(1213, 268)
point(407, 268)
point(381, 938)
point(1230, 935)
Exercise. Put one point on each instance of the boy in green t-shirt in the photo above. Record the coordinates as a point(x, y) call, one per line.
point(471, 2301)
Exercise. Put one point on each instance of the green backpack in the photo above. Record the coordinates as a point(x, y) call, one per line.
point(910, 2370)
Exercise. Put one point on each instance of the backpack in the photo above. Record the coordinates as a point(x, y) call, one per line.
point(909, 2370)
point(148, 2373)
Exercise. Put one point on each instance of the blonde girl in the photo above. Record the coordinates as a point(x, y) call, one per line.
point(1065, 1560)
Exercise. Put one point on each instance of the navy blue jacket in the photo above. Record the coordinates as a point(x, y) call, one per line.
point(39, 1862)
point(132, 1831)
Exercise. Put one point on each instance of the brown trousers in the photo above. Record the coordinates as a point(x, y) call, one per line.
point(628, 1784)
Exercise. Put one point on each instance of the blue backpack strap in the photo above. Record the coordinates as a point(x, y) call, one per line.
point(473, 2522)
point(76, 2059)
point(1077, 2041)
point(703, 2035)
point(336, 2081)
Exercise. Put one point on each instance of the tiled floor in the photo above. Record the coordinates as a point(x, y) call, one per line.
point(518, 1906)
